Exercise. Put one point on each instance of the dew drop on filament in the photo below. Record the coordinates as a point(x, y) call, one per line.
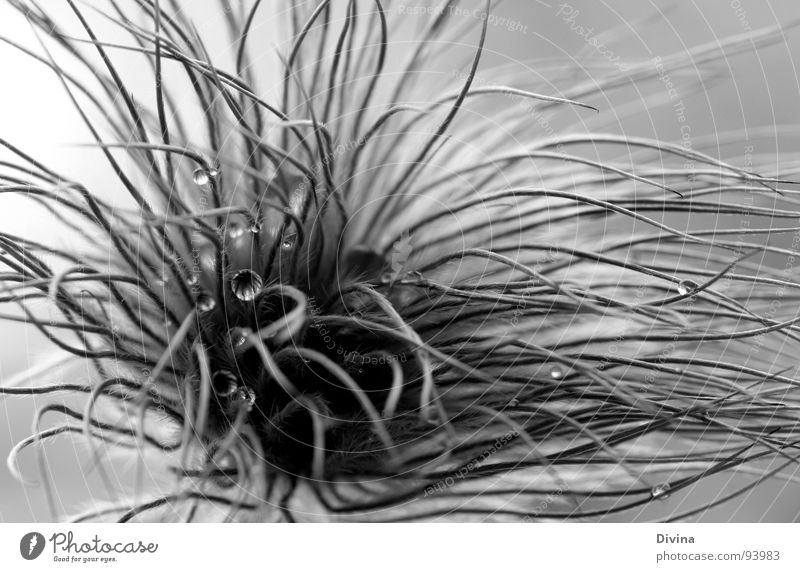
point(288, 241)
point(238, 336)
point(245, 284)
point(686, 286)
point(235, 230)
point(208, 258)
point(201, 177)
point(556, 372)
point(246, 396)
point(224, 383)
point(226, 462)
point(205, 303)
point(661, 491)
point(255, 226)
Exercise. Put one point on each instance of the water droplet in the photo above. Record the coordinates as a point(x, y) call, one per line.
point(661, 492)
point(205, 302)
point(227, 462)
point(289, 241)
point(255, 226)
point(686, 286)
point(208, 258)
point(201, 177)
point(556, 372)
point(513, 403)
point(247, 396)
point(213, 173)
point(224, 383)
point(238, 336)
point(235, 230)
point(193, 280)
point(245, 284)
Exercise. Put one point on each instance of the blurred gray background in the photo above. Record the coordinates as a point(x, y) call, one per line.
point(759, 89)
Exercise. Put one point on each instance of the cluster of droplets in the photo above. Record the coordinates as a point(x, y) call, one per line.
point(245, 396)
point(203, 177)
point(226, 386)
point(245, 286)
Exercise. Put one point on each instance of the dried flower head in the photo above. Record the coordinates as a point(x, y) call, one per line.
point(360, 290)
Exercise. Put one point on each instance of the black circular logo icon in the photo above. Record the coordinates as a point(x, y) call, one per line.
point(31, 545)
